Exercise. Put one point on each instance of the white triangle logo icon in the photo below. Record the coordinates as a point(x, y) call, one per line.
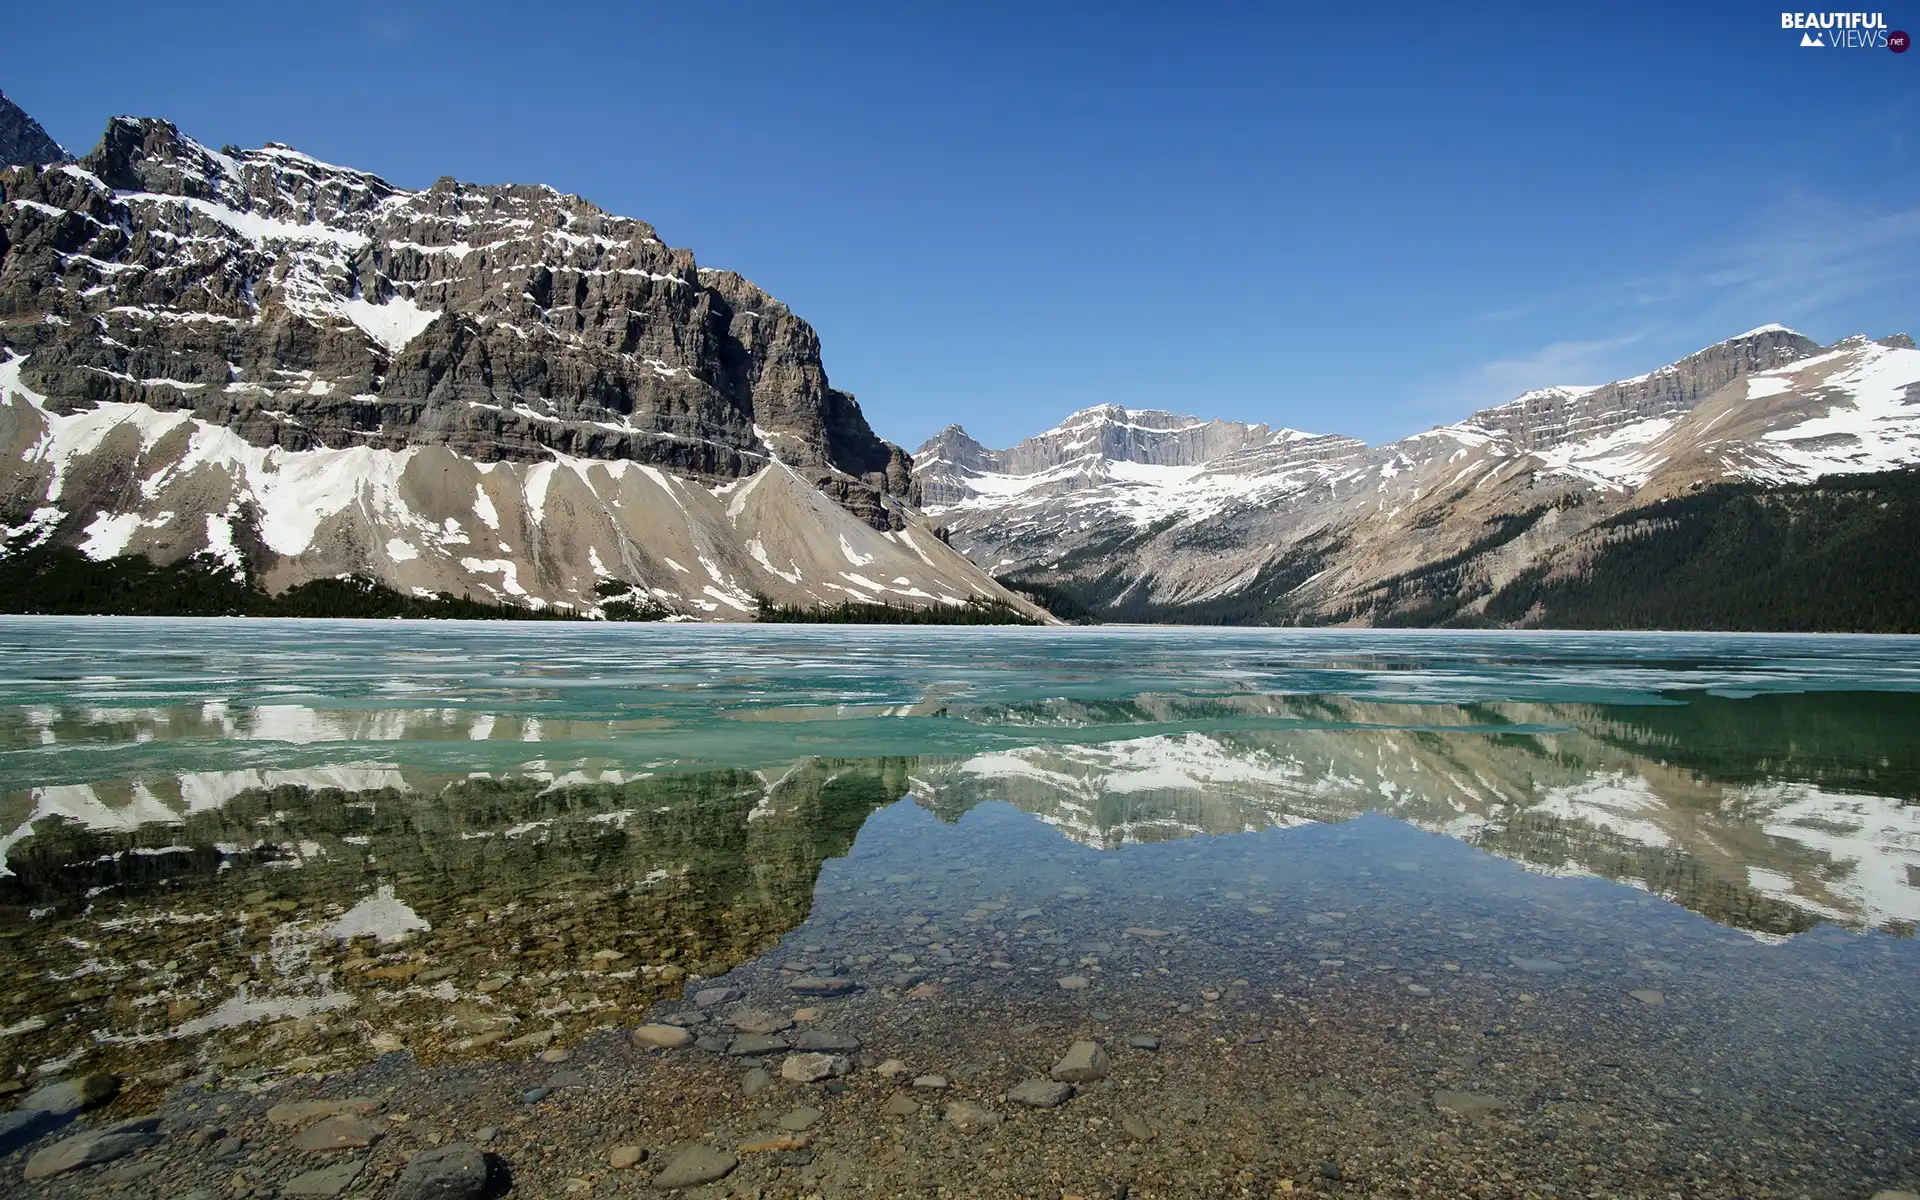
point(1809, 39)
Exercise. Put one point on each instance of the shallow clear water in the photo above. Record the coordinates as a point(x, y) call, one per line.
point(1613, 911)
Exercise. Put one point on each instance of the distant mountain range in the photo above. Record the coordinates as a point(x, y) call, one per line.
point(1545, 510)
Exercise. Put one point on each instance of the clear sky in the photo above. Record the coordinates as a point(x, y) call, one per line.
point(1355, 219)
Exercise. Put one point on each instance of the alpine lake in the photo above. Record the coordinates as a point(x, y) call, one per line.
point(823, 911)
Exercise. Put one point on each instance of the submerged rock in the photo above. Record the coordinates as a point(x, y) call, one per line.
point(696, 1165)
point(661, 1037)
point(339, 1133)
point(1467, 1104)
point(325, 1181)
point(812, 1068)
point(456, 1172)
point(754, 1020)
point(1040, 1093)
point(1538, 966)
point(74, 1095)
point(1083, 1062)
point(92, 1149)
point(968, 1117)
point(24, 1125)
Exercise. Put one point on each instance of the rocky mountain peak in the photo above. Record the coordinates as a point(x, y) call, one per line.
point(1554, 416)
point(308, 305)
point(22, 140)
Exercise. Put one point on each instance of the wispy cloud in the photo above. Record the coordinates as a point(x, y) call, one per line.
point(1802, 258)
point(1502, 379)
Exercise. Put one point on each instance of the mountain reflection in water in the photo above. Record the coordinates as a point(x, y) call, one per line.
point(308, 915)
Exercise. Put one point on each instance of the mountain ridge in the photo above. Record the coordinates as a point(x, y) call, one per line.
point(1325, 529)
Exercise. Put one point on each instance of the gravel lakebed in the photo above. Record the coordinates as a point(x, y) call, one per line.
point(986, 1009)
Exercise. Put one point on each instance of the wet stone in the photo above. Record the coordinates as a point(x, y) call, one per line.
point(696, 1165)
point(1143, 1041)
point(661, 1037)
point(456, 1172)
point(1083, 1062)
point(968, 1117)
point(752, 1045)
point(1538, 966)
point(325, 1181)
point(822, 985)
point(1648, 996)
point(22, 1126)
point(1467, 1104)
point(338, 1133)
point(827, 1041)
point(755, 1020)
point(91, 1149)
point(756, 1081)
point(714, 996)
point(73, 1095)
point(1136, 1128)
point(779, 1143)
point(303, 1112)
point(1040, 1093)
point(812, 1068)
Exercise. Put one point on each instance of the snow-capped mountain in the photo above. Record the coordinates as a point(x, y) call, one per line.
point(1266, 524)
point(294, 370)
point(1143, 464)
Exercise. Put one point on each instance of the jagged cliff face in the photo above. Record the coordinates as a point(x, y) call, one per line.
point(1323, 529)
point(305, 305)
point(293, 370)
point(22, 140)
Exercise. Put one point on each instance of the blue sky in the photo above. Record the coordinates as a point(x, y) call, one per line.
point(1356, 219)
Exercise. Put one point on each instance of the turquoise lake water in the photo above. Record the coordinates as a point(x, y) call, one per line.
point(1682, 868)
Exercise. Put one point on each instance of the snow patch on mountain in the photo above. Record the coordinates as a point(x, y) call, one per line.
point(393, 323)
point(1872, 422)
